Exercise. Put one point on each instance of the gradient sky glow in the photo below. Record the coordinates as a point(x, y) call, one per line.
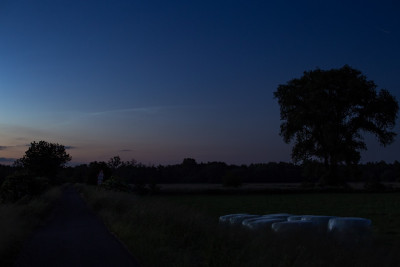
point(160, 81)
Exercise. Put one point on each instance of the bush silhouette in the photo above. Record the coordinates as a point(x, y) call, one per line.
point(22, 184)
point(115, 184)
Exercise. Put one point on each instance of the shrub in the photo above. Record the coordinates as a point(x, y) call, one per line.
point(139, 187)
point(145, 186)
point(115, 184)
point(153, 187)
point(22, 184)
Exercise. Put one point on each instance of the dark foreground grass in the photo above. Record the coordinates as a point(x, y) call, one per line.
point(184, 230)
point(19, 219)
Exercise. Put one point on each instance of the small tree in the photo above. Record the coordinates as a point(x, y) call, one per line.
point(326, 112)
point(44, 159)
point(115, 162)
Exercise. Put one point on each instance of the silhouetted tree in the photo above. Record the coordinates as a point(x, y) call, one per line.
point(189, 163)
point(44, 159)
point(115, 162)
point(325, 112)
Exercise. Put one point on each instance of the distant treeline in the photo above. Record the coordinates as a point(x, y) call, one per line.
point(189, 171)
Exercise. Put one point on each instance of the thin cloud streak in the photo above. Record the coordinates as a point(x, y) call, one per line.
point(383, 30)
point(126, 150)
point(10, 147)
point(151, 110)
point(7, 160)
point(143, 110)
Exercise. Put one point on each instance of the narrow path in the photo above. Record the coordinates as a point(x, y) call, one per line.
point(74, 236)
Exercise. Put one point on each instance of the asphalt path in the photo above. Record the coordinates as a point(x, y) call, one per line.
point(74, 236)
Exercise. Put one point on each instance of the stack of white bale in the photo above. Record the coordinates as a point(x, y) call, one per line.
point(236, 219)
point(340, 227)
point(265, 221)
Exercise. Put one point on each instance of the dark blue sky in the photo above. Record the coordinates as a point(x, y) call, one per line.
point(159, 81)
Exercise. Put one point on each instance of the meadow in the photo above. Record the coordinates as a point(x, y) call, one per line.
point(18, 220)
point(183, 230)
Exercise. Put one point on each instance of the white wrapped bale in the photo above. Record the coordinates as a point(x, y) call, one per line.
point(320, 222)
point(245, 222)
point(264, 223)
point(349, 226)
point(278, 215)
point(295, 218)
point(225, 218)
point(237, 220)
point(317, 218)
point(294, 227)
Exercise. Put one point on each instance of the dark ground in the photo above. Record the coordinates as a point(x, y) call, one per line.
point(74, 236)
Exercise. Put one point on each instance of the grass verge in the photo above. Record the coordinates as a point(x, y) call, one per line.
point(18, 220)
point(174, 231)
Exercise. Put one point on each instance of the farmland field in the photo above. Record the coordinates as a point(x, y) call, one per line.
point(183, 230)
point(382, 209)
point(252, 187)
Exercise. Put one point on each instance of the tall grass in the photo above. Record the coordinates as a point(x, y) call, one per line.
point(168, 231)
point(18, 220)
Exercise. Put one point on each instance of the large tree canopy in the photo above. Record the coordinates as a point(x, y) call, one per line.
point(326, 112)
point(44, 159)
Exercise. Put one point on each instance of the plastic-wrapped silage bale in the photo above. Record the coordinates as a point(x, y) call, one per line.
point(225, 218)
point(294, 227)
point(320, 222)
point(295, 218)
point(278, 215)
point(264, 223)
point(245, 222)
point(237, 220)
point(350, 228)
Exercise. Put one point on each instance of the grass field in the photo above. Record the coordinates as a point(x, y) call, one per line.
point(382, 209)
point(19, 219)
point(184, 230)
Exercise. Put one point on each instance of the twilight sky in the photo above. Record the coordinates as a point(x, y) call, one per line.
point(159, 81)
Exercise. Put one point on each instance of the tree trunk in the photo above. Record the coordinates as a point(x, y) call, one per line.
point(331, 172)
